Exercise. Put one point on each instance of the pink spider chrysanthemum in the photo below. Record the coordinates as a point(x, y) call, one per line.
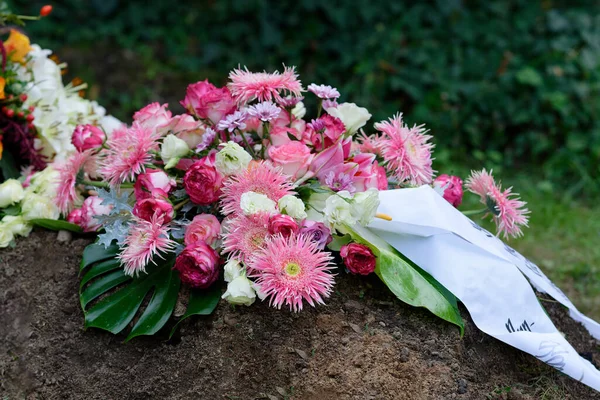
point(69, 171)
point(259, 177)
point(247, 234)
point(407, 151)
point(145, 240)
point(508, 211)
point(369, 144)
point(128, 151)
point(246, 86)
point(291, 270)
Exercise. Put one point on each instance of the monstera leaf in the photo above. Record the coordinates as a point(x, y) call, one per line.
point(123, 295)
point(55, 225)
point(408, 282)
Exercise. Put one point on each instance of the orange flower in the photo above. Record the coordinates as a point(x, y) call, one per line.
point(1, 148)
point(2, 85)
point(17, 45)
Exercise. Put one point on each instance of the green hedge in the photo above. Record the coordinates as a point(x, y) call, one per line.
point(510, 83)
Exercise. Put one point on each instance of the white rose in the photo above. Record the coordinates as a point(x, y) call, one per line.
point(16, 224)
point(364, 206)
point(353, 116)
point(11, 192)
point(252, 203)
point(6, 236)
point(299, 111)
point(292, 206)
point(232, 159)
point(233, 269)
point(172, 150)
point(240, 292)
point(36, 206)
point(338, 210)
point(109, 124)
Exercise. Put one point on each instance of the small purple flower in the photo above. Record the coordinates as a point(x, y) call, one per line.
point(317, 232)
point(290, 101)
point(317, 125)
point(324, 91)
point(265, 111)
point(233, 121)
point(207, 139)
point(339, 182)
point(329, 104)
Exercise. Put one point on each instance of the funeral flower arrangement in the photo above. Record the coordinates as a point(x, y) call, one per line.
point(38, 115)
point(247, 187)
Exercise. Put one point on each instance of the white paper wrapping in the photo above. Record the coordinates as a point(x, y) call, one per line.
point(485, 274)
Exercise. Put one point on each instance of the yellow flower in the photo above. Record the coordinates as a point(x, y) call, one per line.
point(2, 85)
point(17, 45)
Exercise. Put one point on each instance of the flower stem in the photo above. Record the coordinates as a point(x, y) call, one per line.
point(105, 185)
point(179, 205)
point(248, 145)
point(320, 109)
point(469, 213)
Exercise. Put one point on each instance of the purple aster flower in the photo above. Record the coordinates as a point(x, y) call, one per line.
point(324, 91)
point(207, 139)
point(317, 232)
point(339, 182)
point(329, 104)
point(290, 101)
point(233, 121)
point(317, 125)
point(265, 111)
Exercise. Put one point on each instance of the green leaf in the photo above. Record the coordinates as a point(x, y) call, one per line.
point(55, 225)
point(411, 285)
point(97, 252)
point(202, 302)
point(8, 166)
point(338, 241)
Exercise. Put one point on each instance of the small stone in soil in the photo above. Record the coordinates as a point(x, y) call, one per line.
point(462, 386)
point(404, 355)
point(64, 236)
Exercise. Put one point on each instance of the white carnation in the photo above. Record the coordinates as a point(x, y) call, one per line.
point(16, 224)
point(292, 206)
point(232, 159)
point(240, 292)
point(252, 203)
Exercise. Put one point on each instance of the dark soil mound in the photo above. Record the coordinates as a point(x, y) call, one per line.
point(362, 345)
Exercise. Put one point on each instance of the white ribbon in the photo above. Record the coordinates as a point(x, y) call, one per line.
point(485, 274)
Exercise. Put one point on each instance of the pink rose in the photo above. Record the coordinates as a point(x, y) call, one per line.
point(280, 135)
point(203, 182)
point(153, 183)
point(186, 128)
point(152, 116)
point(92, 207)
point(358, 258)
point(74, 216)
point(382, 181)
point(154, 207)
point(198, 265)
point(452, 188)
point(204, 227)
point(206, 101)
point(87, 137)
point(282, 224)
point(293, 158)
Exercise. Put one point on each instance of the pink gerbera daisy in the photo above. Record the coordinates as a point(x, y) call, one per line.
point(247, 234)
point(128, 151)
point(291, 270)
point(407, 151)
point(508, 212)
point(259, 177)
point(246, 86)
point(69, 172)
point(145, 240)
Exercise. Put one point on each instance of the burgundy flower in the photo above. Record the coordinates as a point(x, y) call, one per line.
point(198, 265)
point(154, 207)
point(358, 258)
point(203, 182)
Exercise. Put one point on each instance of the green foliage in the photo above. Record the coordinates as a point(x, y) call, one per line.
point(408, 282)
point(55, 225)
point(511, 83)
point(120, 297)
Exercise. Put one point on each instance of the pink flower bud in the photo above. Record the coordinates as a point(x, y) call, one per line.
point(282, 224)
point(206, 101)
point(92, 207)
point(74, 216)
point(150, 208)
point(153, 183)
point(451, 187)
point(198, 265)
point(358, 258)
point(87, 137)
point(204, 227)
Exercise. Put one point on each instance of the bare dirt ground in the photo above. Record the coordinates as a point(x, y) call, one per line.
point(362, 345)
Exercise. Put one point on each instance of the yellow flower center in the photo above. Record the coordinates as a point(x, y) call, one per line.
point(292, 269)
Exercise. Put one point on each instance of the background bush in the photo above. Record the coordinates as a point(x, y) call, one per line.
point(504, 83)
